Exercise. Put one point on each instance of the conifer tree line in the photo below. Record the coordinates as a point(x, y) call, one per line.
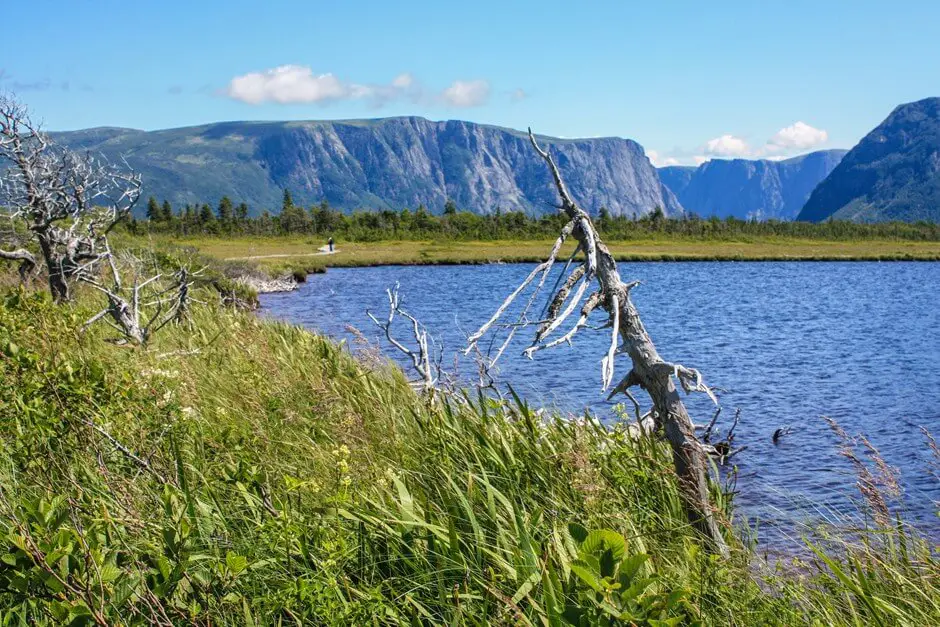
point(227, 218)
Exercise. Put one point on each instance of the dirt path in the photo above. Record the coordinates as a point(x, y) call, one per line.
point(323, 250)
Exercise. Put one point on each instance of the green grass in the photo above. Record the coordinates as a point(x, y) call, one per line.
point(287, 482)
point(289, 253)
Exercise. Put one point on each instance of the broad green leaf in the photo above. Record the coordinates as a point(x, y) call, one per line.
point(586, 574)
point(601, 539)
point(236, 563)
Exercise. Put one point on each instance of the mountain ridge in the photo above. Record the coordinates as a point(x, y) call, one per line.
point(750, 188)
point(893, 173)
point(380, 163)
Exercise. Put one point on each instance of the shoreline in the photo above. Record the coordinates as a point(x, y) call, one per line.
point(292, 259)
point(290, 282)
point(665, 258)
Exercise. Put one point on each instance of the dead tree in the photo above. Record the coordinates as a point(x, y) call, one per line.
point(423, 362)
point(138, 312)
point(61, 202)
point(183, 298)
point(649, 372)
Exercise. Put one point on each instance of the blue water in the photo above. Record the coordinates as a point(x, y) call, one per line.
point(789, 342)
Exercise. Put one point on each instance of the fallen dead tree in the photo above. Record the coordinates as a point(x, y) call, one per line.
point(140, 310)
point(649, 372)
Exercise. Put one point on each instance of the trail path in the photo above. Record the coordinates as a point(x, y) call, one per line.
point(323, 250)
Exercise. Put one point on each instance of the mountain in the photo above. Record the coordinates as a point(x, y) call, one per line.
point(750, 189)
point(892, 174)
point(382, 163)
point(677, 177)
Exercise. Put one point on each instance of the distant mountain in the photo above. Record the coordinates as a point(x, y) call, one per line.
point(677, 177)
point(383, 163)
point(750, 189)
point(892, 174)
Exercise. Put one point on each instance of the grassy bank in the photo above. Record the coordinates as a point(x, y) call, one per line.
point(290, 252)
point(247, 472)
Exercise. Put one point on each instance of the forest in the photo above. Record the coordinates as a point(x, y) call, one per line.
point(228, 218)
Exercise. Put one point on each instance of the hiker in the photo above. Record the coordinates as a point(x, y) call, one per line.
point(330, 242)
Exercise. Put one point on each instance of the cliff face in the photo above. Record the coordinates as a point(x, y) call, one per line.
point(750, 189)
point(892, 174)
point(677, 177)
point(385, 163)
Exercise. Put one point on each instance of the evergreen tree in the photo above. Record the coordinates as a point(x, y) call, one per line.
point(241, 212)
point(293, 219)
point(422, 219)
point(322, 217)
point(657, 217)
point(265, 223)
point(225, 211)
point(450, 207)
point(153, 210)
point(167, 211)
point(205, 215)
point(288, 201)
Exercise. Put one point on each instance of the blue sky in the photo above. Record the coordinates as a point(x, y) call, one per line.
point(688, 80)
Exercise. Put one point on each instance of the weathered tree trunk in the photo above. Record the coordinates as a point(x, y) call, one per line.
point(649, 370)
point(58, 282)
point(26, 259)
point(652, 374)
point(67, 202)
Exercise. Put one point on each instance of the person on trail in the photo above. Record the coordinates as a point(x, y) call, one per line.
point(330, 242)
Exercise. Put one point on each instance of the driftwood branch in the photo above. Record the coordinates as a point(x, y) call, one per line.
point(649, 371)
point(136, 459)
point(27, 261)
point(421, 358)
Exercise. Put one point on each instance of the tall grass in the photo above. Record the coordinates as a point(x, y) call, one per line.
point(249, 472)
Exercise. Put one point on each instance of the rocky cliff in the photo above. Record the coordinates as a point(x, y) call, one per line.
point(750, 189)
point(383, 163)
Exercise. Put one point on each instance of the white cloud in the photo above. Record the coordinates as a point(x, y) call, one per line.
point(786, 142)
point(661, 161)
point(288, 84)
point(403, 81)
point(797, 136)
point(296, 84)
point(518, 95)
point(727, 146)
point(466, 93)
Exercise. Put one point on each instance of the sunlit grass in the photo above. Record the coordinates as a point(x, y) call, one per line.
point(280, 254)
point(290, 483)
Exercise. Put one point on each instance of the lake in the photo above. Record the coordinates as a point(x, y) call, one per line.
point(788, 342)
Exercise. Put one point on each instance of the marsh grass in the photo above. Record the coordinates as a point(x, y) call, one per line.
point(287, 482)
point(284, 255)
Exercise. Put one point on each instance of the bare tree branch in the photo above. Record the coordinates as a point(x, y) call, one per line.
point(147, 300)
point(63, 202)
point(420, 358)
point(649, 370)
